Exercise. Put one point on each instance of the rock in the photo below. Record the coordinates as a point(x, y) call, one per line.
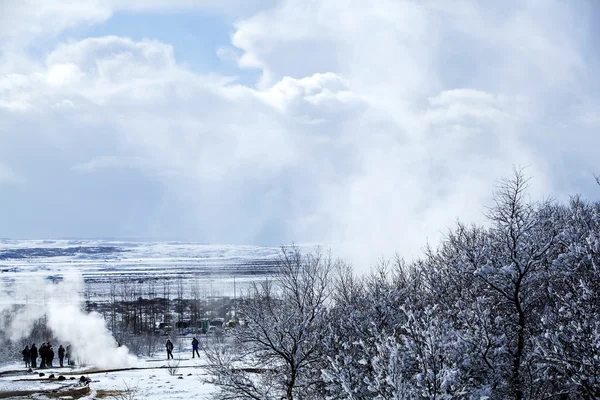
point(41, 374)
point(189, 374)
point(61, 378)
point(29, 370)
point(72, 378)
point(51, 376)
point(181, 377)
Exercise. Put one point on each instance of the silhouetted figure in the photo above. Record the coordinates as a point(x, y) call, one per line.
point(33, 353)
point(26, 356)
point(61, 354)
point(49, 355)
point(43, 355)
point(69, 355)
point(169, 346)
point(195, 344)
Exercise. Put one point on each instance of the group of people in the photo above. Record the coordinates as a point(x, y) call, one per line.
point(46, 354)
point(195, 345)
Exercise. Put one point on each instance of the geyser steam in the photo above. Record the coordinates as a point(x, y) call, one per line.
point(61, 303)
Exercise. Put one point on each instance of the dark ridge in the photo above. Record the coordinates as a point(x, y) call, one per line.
point(34, 252)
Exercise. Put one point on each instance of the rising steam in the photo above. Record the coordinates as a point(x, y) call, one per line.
point(61, 303)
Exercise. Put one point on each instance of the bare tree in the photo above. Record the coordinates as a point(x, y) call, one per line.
point(180, 305)
point(166, 301)
point(347, 287)
point(282, 335)
point(195, 306)
point(153, 311)
point(124, 299)
point(113, 306)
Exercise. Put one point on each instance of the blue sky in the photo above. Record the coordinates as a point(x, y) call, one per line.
point(370, 126)
point(195, 36)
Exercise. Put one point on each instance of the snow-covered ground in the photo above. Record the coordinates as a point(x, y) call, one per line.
point(151, 378)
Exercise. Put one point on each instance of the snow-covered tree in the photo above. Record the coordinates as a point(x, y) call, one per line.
point(511, 260)
point(569, 342)
point(394, 342)
point(505, 310)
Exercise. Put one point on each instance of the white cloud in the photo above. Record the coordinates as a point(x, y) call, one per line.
point(372, 126)
point(22, 21)
point(103, 162)
point(63, 74)
point(7, 176)
point(588, 113)
point(458, 104)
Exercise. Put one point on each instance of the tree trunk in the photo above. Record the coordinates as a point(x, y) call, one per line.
point(516, 372)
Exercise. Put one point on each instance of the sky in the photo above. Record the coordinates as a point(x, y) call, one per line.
point(373, 126)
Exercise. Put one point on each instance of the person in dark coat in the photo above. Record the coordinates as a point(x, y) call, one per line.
point(43, 355)
point(69, 355)
point(195, 344)
point(61, 354)
point(26, 356)
point(33, 353)
point(49, 355)
point(169, 346)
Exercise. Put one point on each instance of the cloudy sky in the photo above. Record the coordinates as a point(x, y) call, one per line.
point(370, 124)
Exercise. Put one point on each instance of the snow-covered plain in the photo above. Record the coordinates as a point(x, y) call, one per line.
point(213, 267)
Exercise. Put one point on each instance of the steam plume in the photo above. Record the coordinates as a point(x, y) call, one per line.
point(61, 303)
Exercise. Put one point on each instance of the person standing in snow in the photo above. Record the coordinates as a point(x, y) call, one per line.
point(43, 355)
point(195, 344)
point(33, 353)
point(50, 355)
point(69, 355)
point(26, 356)
point(61, 354)
point(169, 346)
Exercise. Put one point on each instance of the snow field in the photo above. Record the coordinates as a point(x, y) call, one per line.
point(150, 379)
